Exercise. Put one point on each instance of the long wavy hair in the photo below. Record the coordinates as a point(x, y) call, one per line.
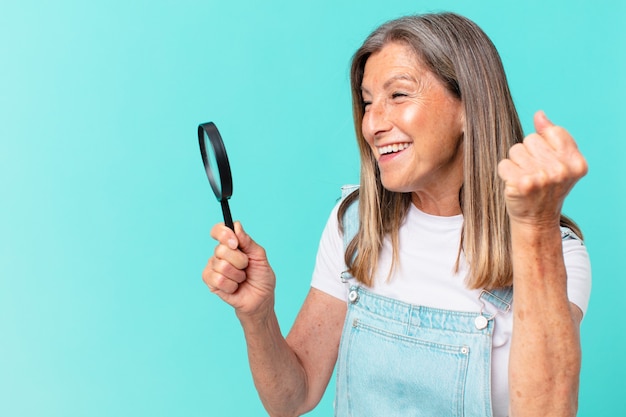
point(467, 63)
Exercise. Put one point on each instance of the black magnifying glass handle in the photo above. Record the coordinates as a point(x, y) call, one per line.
point(228, 218)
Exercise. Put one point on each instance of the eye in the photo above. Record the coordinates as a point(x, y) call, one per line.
point(398, 95)
point(366, 105)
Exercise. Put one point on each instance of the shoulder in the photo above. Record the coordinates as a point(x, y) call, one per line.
point(348, 210)
point(348, 189)
point(330, 262)
point(578, 269)
point(574, 251)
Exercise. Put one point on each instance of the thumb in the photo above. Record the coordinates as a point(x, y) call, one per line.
point(246, 244)
point(542, 122)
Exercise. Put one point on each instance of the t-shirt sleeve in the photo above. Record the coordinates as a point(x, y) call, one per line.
point(330, 262)
point(578, 269)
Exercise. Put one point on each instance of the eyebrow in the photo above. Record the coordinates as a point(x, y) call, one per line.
point(397, 77)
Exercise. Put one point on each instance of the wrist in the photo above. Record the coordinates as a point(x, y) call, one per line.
point(259, 316)
point(535, 228)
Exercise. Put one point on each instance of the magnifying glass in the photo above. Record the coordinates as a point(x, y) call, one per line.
point(217, 167)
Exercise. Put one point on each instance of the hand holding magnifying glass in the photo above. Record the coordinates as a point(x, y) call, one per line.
point(214, 156)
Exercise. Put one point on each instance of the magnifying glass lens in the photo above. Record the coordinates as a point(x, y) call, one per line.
point(213, 171)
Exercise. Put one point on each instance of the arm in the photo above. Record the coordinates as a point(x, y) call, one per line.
point(290, 374)
point(545, 358)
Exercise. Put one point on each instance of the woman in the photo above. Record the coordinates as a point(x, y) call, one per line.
point(412, 295)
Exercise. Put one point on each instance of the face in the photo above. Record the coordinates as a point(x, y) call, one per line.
point(413, 125)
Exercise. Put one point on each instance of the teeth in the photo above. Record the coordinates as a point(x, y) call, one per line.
point(396, 147)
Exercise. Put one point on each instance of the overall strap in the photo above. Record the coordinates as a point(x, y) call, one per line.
point(350, 217)
point(501, 298)
point(567, 234)
point(350, 223)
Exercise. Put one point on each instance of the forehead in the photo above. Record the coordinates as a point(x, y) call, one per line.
point(393, 60)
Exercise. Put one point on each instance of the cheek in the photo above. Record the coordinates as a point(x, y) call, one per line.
point(412, 117)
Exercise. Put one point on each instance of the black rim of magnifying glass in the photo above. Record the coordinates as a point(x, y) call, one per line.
point(224, 190)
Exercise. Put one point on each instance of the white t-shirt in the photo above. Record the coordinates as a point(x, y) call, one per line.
point(424, 275)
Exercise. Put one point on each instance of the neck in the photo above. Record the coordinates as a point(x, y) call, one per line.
point(444, 206)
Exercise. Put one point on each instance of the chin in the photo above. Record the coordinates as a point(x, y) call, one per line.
point(395, 187)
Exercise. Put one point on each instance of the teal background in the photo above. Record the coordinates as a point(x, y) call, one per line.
point(105, 210)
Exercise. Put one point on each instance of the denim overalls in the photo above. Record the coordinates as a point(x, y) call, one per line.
point(398, 359)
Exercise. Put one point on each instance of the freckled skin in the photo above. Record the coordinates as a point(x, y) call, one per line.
point(544, 365)
point(406, 103)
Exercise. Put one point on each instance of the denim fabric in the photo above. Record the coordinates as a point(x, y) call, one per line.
point(397, 359)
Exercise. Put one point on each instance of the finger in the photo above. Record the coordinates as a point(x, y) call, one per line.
point(563, 144)
point(545, 163)
point(520, 156)
point(542, 122)
point(219, 283)
point(237, 259)
point(224, 235)
point(247, 245)
point(218, 277)
point(227, 269)
point(520, 175)
point(508, 172)
point(555, 136)
point(538, 148)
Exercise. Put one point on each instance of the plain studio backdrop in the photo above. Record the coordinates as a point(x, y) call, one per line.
point(105, 210)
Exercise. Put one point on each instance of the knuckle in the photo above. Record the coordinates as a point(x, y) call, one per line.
point(215, 231)
point(221, 266)
point(504, 169)
point(528, 184)
point(225, 256)
point(560, 132)
point(226, 285)
point(532, 139)
point(229, 270)
point(219, 275)
point(220, 251)
point(525, 185)
point(559, 173)
point(207, 271)
point(239, 277)
point(205, 276)
point(516, 150)
point(580, 166)
point(219, 280)
point(560, 137)
point(220, 233)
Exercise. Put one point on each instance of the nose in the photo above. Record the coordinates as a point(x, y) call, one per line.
point(375, 120)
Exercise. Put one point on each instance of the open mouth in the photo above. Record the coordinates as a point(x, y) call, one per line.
point(396, 147)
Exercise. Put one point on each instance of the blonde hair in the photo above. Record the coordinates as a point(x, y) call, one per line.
point(467, 63)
